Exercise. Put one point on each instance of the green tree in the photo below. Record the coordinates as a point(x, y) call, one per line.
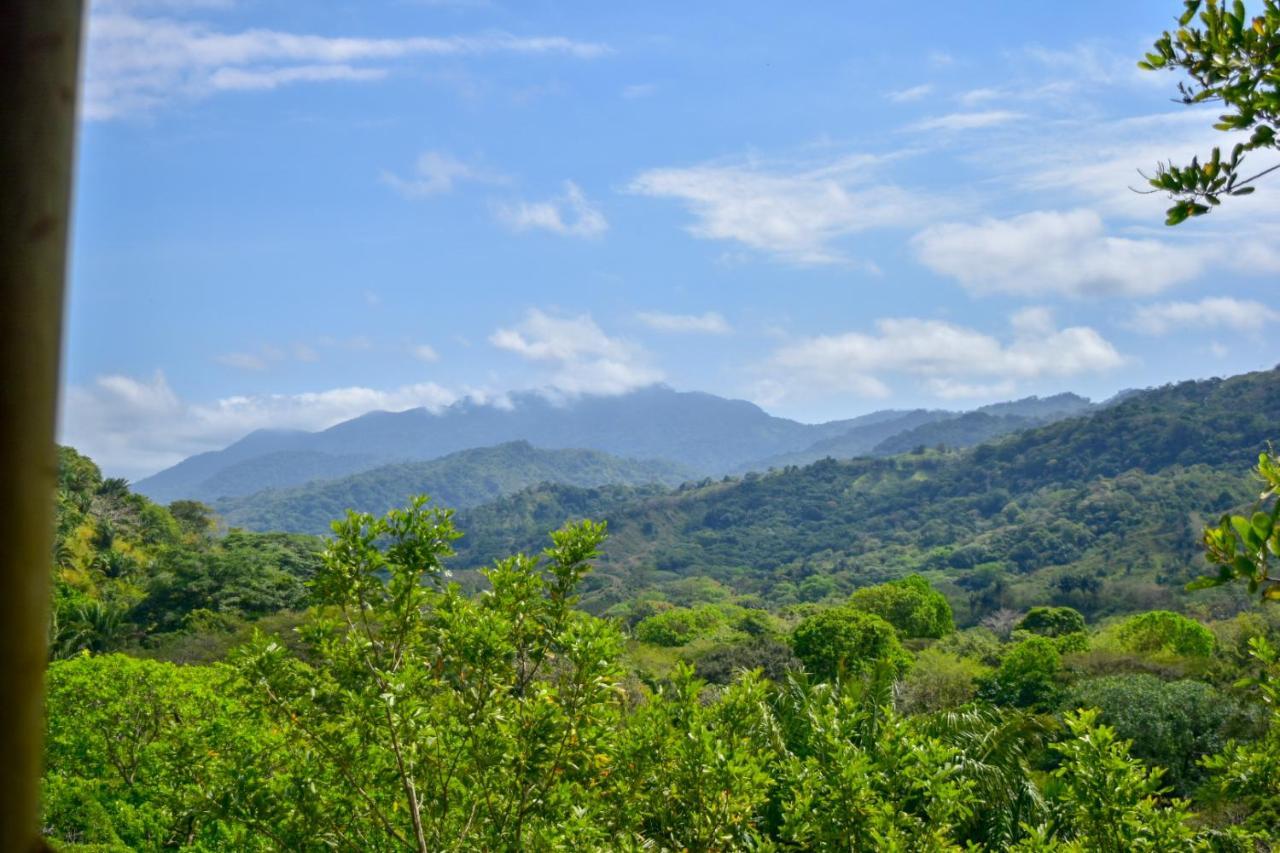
point(444, 721)
point(1164, 632)
point(1231, 59)
point(135, 753)
point(1052, 621)
point(1105, 800)
point(841, 641)
point(1168, 724)
point(1242, 547)
point(909, 604)
point(1247, 773)
point(1027, 675)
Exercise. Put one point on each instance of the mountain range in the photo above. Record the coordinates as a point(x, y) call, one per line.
point(1102, 512)
point(695, 433)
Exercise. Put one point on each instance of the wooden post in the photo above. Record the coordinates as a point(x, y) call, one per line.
point(39, 56)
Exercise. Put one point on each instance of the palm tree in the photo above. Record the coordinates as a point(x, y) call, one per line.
point(997, 748)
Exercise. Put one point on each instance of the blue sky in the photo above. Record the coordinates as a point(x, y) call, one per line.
point(291, 213)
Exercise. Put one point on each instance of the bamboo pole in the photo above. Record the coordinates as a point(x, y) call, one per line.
point(39, 55)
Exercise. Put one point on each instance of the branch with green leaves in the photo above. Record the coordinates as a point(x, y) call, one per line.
point(1242, 547)
point(1230, 59)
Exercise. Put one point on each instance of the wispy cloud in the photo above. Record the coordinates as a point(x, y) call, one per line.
point(136, 426)
point(913, 93)
point(581, 357)
point(967, 120)
point(137, 62)
point(569, 214)
point(639, 90)
point(437, 172)
point(709, 323)
point(946, 359)
point(1218, 312)
point(1054, 252)
point(424, 352)
point(795, 213)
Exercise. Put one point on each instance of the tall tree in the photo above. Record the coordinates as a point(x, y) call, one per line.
point(1233, 60)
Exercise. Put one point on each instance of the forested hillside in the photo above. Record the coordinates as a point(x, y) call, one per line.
point(1100, 512)
point(463, 479)
point(698, 434)
point(129, 573)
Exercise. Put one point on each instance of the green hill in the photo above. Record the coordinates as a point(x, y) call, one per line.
point(459, 480)
point(1102, 512)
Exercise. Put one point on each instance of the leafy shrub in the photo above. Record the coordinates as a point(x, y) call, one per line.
point(1164, 632)
point(938, 681)
point(843, 641)
point(1027, 676)
point(1171, 724)
point(679, 626)
point(1052, 621)
point(723, 664)
point(910, 605)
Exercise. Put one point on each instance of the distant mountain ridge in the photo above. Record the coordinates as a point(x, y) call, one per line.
point(459, 480)
point(700, 433)
point(1102, 509)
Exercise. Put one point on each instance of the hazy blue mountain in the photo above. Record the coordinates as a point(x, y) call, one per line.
point(897, 432)
point(701, 433)
point(1046, 408)
point(459, 480)
point(858, 440)
point(1120, 495)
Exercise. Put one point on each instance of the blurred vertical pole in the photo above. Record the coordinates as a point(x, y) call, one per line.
point(39, 58)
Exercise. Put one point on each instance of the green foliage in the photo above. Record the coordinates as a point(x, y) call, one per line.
point(1246, 775)
point(1052, 621)
point(843, 642)
point(411, 715)
point(1027, 676)
point(1169, 724)
point(512, 693)
point(939, 681)
point(463, 479)
point(1162, 632)
point(910, 605)
point(1233, 60)
point(1099, 513)
point(679, 626)
point(129, 572)
point(859, 777)
point(1243, 546)
point(724, 663)
point(1105, 800)
point(135, 754)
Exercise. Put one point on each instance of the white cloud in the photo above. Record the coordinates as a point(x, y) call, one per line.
point(1053, 252)
point(424, 352)
point(793, 213)
point(1221, 312)
point(967, 121)
point(709, 323)
point(262, 79)
point(135, 63)
point(267, 355)
point(242, 361)
point(973, 97)
point(914, 93)
point(948, 359)
point(639, 90)
point(582, 358)
point(569, 215)
point(137, 426)
point(437, 172)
